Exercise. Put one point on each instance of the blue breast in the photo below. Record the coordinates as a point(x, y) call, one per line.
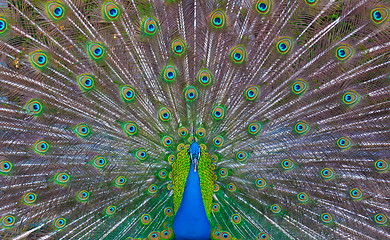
point(195, 149)
point(191, 221)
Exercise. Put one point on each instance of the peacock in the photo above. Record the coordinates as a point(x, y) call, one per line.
point(194, 119)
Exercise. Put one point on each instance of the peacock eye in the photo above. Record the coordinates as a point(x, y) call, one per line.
point(344, 52)
point(152, 188)
point(301, 127)
point(261, 183)
point(344, 143)
point(327, 218)
point(127, 93)
point(215, 207)
point(218, 19)
point(288, 164)
point(120, 181)
point(96, 50)
point(86, 82)
point(56, 10)
point(167, 141)
point(130, 128)
point(183, 132)
point(141, 154)
point(38, 59)
point(110, 210)
point(149, 26)
point(218, 141)
point(29, 198)
point(99, 162)
point(311, 2)
point(83, 195)
point(236, 219)
point(276, 208)
point(299, 87)
point(218, 112)
point(3, 25)
point(111, 10)
point(263, 6)
point(381, 219)
point(62, 178)
point(382, 165)
point(252, 93)
point(205, 77)
point(169, 73)
point(34, 107)
point(5, 167)
point(327, 173)
point(41, 147)
point(241, 156)
point(223, 172)
point(178, 47)
point(238, 54)
point(231, 187)
point(201, 132)
point(284, 45)
point(164, 114)
point(60, 223)
point(356, 194)
point(191, 93)
point(379, 15)
point(254, 128)
point(303, 197)
point(350, 98)
point(263, 236)
point(82, 130)
point(168, 211)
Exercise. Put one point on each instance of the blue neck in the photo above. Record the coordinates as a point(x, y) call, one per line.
point(191, 221)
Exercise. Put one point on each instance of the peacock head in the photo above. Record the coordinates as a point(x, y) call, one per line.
point(194, 152)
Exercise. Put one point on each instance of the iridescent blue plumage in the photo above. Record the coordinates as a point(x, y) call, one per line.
point(194, 152)
point(191, 221)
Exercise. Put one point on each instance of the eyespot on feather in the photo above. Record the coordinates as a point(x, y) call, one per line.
point(86, 82)
point(3, 25)
point(55, 10)
point(301, 127)
point(41, 147)
point(252, 92)
point(218, 112)
point(34, 107)
point(380, 15)
point(149, 26)
point(99, 162)
point(218, 19)
point(178, 46)
point(263, 6)
point(82, 130)
point(39, 59)
point(205, 77)
point(127, 93)
point(96, 50)
point(284, 45)
point(60, 223)
point(111, 10)
point(5, 167)
point(299, 87)
point(238, 54)
point(344, 52)
point(164, 114)
point(191, 93)
point(83, 195)
point(29, 198)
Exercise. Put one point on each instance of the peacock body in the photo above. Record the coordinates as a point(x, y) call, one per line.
point(194, 119)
